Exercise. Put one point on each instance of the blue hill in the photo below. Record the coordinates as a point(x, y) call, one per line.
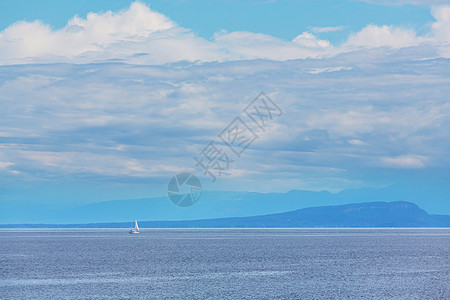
point(372, 214)
point(213, 205)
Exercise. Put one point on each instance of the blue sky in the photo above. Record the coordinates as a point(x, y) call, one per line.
point(105, 100)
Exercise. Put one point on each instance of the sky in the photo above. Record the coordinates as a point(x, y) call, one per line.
point(104, 100)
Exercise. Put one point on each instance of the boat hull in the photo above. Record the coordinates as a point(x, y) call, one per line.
point(133, 232)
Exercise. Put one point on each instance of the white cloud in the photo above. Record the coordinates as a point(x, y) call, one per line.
point(356, 142)
point(136, 22)
point(90, 162)
point(327, 29)
point(350, 122)
point(307, 39)
point(142, 36)
point(5, 164)
point(328, 69)
point(441, 29)
point(405, 161)
point(81, 36)
point(373, 36)
point(248, 45)
point(403, 2)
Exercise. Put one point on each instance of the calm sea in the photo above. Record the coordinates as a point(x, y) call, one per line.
point(225, 264)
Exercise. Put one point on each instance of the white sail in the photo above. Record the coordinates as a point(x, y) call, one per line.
point(136, 227)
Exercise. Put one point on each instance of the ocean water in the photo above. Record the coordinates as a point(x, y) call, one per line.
point(225, 264)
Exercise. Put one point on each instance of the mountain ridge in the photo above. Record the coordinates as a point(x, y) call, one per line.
point(368, 214)
point(217, 204)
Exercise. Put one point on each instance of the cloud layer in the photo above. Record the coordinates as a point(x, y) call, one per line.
point(115, 121)
point(131, 98)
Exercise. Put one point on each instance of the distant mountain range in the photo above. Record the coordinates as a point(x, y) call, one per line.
point(371, 214)
point(218, 204)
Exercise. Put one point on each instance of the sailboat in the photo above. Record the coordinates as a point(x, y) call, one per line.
point(135, 229)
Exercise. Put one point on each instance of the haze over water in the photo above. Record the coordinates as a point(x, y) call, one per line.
point(232, 263)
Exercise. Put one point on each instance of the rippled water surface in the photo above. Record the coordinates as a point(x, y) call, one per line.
point(225, 264)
